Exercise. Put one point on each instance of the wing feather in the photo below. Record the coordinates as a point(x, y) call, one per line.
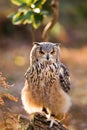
point(64, 77)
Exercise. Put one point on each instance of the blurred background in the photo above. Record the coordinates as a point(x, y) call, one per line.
point(71, 31)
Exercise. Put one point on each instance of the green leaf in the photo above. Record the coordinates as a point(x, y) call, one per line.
point(23, 8)
point(43, 1)
point(44, 12)
point(28, 14)
point(37, 20)
point(28, 17)
point(18, 18)
point(39, 3)
point(18, 2)
point(29, 2)
point(46, 8)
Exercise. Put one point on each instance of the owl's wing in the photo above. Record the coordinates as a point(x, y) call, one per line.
point(64, 77)
point(27, 74)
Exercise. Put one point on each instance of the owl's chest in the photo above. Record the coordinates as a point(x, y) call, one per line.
point(49, 76)
point(45, 76)
point(43, 82)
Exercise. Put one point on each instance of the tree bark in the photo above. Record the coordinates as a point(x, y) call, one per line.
point(38, 122)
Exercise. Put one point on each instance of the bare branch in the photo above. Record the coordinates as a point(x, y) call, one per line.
point(55, 9)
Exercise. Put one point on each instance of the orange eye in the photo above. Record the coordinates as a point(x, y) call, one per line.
point(41, 52)
point(52, 52)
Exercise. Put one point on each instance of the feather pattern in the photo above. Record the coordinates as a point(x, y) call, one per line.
point(64, 77)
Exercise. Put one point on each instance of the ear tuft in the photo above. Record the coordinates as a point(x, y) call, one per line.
point(36, 43)
point(57, 44)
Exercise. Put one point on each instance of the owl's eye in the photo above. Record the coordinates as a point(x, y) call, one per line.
point(53, 51)
point(41, 52)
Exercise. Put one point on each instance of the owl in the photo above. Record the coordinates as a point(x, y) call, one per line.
point(47, 82)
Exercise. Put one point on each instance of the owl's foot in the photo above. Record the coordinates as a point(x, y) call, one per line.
point(52, 121)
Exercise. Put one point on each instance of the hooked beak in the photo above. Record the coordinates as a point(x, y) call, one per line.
point(47, 56)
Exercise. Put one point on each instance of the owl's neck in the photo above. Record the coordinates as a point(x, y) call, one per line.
point(44, 63)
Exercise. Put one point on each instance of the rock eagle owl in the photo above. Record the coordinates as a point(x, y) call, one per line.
point(47, 82)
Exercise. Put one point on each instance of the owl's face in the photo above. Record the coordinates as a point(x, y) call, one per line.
point(46, 52)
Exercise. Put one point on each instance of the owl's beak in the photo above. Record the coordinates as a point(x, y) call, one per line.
point(47, 56)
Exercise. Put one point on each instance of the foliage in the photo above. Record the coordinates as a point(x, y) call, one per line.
point(5, 85)
point(8, 115)
point(31, 12)
point(73, 12)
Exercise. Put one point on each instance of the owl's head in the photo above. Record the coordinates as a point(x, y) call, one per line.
point(45, 52)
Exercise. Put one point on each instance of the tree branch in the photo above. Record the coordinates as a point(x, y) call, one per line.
point(38, 123)
point(55, 9)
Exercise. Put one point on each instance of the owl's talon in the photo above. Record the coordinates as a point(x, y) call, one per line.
point(52, 121)
point(43, 113)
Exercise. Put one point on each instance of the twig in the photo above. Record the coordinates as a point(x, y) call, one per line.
point(55, 9)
